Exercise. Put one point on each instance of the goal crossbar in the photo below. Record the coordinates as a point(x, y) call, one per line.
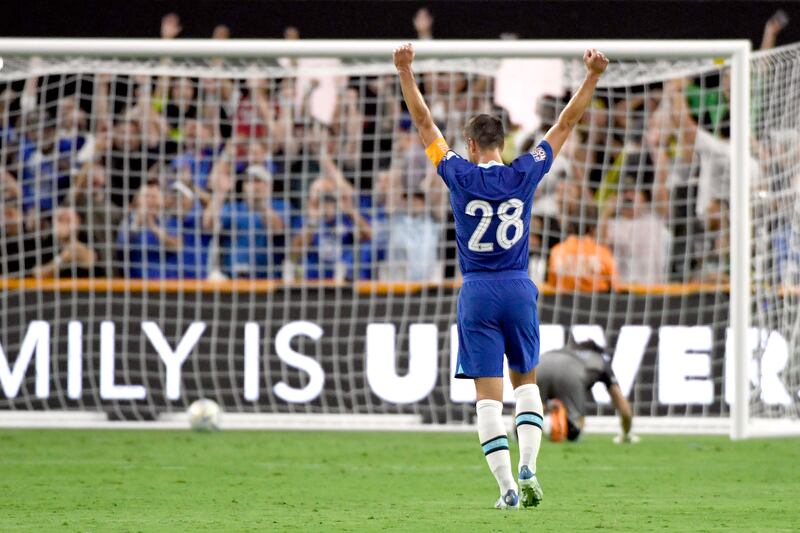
point(261, 48)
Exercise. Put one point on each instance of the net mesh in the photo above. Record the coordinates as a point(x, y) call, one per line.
point(279, 220)
point(775, 375)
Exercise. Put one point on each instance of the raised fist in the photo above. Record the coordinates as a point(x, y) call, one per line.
point(595, 61)
point(403, 56)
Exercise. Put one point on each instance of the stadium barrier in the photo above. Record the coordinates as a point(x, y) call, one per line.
point(151, 353)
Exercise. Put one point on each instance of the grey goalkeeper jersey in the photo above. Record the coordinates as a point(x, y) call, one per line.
point(568, 374)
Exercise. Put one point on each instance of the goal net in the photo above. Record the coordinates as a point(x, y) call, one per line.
point(268, 233)
point(775, 332)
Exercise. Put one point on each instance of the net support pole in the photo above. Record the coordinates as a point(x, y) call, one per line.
point(740, 230)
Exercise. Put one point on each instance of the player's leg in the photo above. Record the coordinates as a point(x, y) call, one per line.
point(572, 394)
point(480, 357)
point(529, 418)
point(556, 425)
point(493, 437)
point(560, 380)
point(521, 331)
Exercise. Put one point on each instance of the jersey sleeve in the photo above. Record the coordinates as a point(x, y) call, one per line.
point(536, 163)
point(449, 165)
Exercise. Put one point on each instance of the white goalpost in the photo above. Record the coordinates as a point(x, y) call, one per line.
point(240, 303)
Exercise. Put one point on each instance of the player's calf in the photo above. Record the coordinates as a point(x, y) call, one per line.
point(529, 421)
point(494, 443)
point(529, 424)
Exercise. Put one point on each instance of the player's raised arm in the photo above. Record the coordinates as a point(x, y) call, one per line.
point(428, 130)
point(596, 64)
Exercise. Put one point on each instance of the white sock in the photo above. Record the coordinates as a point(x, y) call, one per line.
point(529, 424)
point(494, 442)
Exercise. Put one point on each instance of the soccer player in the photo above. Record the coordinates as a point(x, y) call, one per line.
point(565, 376)
point(497, 304)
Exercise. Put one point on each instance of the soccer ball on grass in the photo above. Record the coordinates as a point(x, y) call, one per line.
point(204, 415)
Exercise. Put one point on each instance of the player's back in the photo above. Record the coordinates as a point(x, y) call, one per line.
point(492, 209)
point(497, 303)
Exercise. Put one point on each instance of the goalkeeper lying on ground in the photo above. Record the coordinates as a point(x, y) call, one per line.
point(565, 376)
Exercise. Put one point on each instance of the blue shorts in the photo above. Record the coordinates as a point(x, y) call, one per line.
point(496, 316)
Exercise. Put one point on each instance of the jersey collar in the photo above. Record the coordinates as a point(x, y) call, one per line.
point(489, 164)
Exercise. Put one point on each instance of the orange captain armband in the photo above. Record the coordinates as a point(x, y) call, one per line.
point(437, 150)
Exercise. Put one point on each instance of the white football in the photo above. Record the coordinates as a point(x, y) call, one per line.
point(204, 415)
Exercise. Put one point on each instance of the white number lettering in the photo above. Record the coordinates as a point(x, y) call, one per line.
point(475, 243)
point(510, 214)
point(513, 220)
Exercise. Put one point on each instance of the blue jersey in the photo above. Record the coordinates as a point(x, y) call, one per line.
point(492, 208)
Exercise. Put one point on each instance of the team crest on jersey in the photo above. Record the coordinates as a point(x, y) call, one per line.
point(539, 154)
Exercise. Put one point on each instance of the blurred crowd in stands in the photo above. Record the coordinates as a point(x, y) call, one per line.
point(192, 177)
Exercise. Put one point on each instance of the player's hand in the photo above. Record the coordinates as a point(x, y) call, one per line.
point(403, 56)
point(595, 61)
point(776, 22)
point(626, 438)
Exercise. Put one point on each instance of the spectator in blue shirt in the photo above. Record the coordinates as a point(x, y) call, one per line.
point(254, 154)
point(254, 228)
point(45, 166)
point(325, 244)
point(195, 163)
point(143, 242)
point(191, 262)
point(378, 208)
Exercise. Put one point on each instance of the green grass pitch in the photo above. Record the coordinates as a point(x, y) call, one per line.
point(116, 480)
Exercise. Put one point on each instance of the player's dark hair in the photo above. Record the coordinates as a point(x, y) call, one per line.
point(486, 131)
point(588, 345)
